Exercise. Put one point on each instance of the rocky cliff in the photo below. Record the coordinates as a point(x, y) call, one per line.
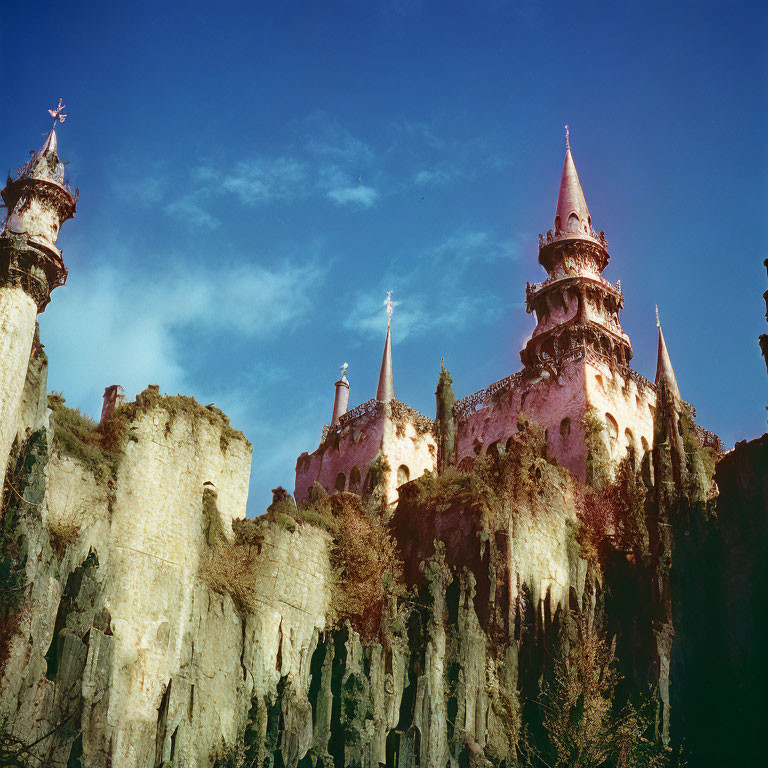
point(505, 616)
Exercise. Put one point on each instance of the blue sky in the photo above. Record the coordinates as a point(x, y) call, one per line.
point(255, 176)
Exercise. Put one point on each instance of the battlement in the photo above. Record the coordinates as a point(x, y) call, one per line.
point(399, 411)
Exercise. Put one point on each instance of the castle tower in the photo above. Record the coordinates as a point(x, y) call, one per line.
point(374, 448)
point(38, 200)
point(341, 399)
point(576, 381)
point(575, 307)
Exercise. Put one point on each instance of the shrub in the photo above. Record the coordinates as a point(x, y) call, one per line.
point(228, 570)
point(64, 530)
point(582, 724)
point(367, 565)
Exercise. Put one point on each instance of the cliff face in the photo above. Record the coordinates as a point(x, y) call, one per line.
point(115, 650)
point(144, 622)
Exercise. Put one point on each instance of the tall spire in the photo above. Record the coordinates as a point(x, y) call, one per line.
point(571, 197)
point(664, 372)
point(386, 389)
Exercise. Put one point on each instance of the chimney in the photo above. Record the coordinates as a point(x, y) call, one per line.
point(114, 396)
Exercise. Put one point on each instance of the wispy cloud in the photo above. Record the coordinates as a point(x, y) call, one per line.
point(467, 247)
point(264, 180)
point(105, 329)
point(190, 210)
point(344, 190)
point(326, 137)
point(431, 293)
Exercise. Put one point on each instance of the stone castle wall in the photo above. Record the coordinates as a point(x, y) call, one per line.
point(355, 444)
point(543, 399)
point(17, 329)
point(349, 450)
point(624, 405)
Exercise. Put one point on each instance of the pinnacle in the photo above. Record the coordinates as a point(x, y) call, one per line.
point(571, 199)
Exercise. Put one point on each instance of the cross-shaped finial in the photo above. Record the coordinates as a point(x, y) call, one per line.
point(344, 367)
point(58, 113)
point(658, 324)
point(567, 140)
point(389, 307)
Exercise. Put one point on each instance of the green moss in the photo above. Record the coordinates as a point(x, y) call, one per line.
point(316, 515)
point(598, 461)
point(174, 406)
point(78, 436)
point(286, 521)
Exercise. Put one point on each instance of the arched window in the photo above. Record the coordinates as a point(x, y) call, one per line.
point(403, 474)
point(613, 426)
point(645, 445)
point(565, 427)
point(354, 479)
point(573, 223)
point(629, 442)
point(368, 485)
point(341, 482)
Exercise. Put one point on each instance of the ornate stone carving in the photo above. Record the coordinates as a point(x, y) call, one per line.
point(24, 266)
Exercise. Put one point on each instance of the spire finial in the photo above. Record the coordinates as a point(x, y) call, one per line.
point(58, 113)
point(658, 324)
point(567, 139)
point(389, 308)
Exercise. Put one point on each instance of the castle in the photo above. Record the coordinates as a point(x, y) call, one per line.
point(576, 364)
point(145, 621)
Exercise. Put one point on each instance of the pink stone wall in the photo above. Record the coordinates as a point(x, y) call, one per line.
point(544, 400)
point(356, 444)
point(624, 405)
point(630, 404)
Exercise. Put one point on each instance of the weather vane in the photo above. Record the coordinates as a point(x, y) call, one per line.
point(58, 113)
point(567, 141)
point(389, 307)
point(344, 367)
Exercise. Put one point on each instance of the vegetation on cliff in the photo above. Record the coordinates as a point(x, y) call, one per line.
point(97, 447)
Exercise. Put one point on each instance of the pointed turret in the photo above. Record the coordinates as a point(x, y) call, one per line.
point(665, 374)
point(572, 214)
point(341, 400)
point(386, 389)
point(51, 143)
point(39, 200)
point(575, 307)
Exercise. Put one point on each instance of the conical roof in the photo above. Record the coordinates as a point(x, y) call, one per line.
point(571, 197)
point(51, 143)
point(386, 389)
point(665, 373)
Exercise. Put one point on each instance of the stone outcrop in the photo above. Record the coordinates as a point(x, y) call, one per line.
point(145, 622)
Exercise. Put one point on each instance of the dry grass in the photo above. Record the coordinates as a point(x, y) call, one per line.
point(78, 436)
point(366, 561)
point(64, 530)
point(229, 570)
